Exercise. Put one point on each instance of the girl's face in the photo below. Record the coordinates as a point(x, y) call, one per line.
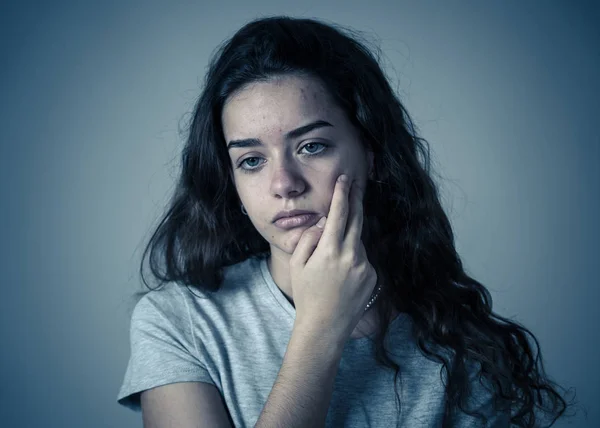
point(288, 143)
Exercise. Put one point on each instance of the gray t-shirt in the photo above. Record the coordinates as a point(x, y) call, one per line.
point(236, 338)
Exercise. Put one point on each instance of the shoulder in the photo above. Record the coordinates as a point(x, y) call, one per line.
point(174, 300)
point(165, 301)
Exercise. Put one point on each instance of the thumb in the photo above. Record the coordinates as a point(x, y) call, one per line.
point(307, 243)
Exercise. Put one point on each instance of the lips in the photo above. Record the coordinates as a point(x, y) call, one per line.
point(300, 220)
point(291, 213)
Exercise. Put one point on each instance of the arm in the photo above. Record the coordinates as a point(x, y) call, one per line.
point(302, 391)
point(184, 405)
point(331, 281)
point(299, 398)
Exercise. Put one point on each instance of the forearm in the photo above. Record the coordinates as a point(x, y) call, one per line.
point(302, 391)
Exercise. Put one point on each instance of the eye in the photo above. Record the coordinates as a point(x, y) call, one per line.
point(249, 162)
point(251, 166)
point(313, 145)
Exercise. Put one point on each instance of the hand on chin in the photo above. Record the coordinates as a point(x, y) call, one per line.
point(289, 240)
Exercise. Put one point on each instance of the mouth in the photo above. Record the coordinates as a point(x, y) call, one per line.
point(290, 213)
point(299, 220)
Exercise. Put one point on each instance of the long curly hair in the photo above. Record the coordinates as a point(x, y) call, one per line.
point(409, 239)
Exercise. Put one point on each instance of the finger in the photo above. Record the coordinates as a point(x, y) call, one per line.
point(356, 217)
point(335, 228)
point(306, 245)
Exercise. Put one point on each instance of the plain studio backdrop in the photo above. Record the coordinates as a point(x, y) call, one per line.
point(93, 94)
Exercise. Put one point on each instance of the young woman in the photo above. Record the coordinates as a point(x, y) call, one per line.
point(308, 274)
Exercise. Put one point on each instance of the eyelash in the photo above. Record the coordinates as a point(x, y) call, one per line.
point(252, 170)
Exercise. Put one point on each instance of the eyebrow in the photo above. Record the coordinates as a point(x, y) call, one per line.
point(298, 132)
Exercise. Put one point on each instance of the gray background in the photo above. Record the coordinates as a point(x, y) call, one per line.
point(506, 92)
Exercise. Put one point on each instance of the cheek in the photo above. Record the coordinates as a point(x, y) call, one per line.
point(247, 192)
point(258, 209)
point(343, 165)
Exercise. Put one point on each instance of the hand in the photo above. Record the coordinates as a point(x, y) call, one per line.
point(332, 279)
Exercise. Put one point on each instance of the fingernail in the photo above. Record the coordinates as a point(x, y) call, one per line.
point(343, 177)
point(321, 222)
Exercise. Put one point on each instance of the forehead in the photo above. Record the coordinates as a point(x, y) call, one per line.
point(276, 106)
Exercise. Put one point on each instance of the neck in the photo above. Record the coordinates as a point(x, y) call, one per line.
point(279, 266)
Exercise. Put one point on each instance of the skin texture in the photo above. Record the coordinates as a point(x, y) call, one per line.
point(282, 175)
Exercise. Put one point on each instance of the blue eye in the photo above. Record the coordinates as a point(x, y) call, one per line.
point(249, 159)
point(312, 144)
point(255, 167)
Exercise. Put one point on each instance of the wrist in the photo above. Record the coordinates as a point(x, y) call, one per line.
point(319, 338)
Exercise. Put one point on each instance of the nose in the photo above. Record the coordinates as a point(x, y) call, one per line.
point(287, 182)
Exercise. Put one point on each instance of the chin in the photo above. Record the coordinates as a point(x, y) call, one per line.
point(289, 240)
